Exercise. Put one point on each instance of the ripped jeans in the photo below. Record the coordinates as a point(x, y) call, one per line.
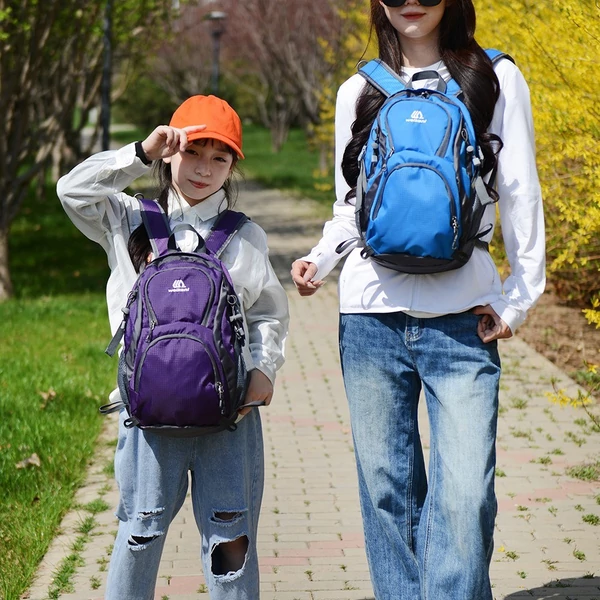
point(227, 475)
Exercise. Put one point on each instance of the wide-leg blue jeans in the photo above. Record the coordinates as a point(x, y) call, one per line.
point(429, 536)
point(152, 471)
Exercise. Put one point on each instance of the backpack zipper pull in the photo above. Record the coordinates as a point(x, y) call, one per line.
point(236, 319)
point(454, 222)
point(153, 324)
point(221, 393)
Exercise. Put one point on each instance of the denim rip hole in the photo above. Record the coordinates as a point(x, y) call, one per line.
point(149, 514)
point(228, 558)
point(139, 542)
point(227, 518)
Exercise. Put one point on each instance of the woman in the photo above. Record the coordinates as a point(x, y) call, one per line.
point(431, 537)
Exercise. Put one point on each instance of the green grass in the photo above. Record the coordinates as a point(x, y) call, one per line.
point(292, 169)
point(587, 472)
point(50, 257)
point(588, 379)
point(53, 377)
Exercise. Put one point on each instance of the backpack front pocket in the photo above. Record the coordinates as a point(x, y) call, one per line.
point(416, 212)
point(196, 396)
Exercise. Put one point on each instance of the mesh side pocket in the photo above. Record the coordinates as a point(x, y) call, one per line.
point(242, 382)
point(122, 381)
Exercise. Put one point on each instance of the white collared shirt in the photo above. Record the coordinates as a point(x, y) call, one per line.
point(366, 287)
point(92, 197)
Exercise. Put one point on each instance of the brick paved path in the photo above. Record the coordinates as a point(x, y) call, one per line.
point(310, 539)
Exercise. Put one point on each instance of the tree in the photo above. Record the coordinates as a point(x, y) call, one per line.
point(281, 44)
point(273, 53)
point(182, 64)
point(343, 57)
point(31, 55)
point(50, 70)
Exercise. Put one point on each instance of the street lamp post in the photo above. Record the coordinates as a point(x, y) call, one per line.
point(217, 23)
point(106, 76)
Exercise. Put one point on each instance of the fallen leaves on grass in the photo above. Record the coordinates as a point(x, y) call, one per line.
point(32, 461)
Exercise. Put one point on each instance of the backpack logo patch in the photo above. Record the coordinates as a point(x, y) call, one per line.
point(179, 286)
point(416, 117)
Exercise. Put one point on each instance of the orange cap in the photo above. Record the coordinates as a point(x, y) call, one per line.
point(222, 122)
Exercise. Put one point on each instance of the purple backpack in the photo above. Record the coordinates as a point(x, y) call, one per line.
point(181, 371)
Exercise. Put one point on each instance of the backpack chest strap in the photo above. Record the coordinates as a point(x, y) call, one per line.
point(156, 223)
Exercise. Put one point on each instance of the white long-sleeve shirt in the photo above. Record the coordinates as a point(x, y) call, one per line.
point(365, 286)
point(93, 199)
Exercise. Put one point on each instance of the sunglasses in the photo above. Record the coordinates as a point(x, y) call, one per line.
point(395, 3)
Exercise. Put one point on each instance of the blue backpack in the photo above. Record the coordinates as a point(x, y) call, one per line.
point(181, 371)
point(420, 197)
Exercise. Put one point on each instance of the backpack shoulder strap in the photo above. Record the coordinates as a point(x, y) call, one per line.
point(497, 55)
point(156, 224)
point(228, 223)
point(382, 77)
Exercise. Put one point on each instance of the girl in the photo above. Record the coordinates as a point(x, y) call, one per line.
point(195, 156)
point(430, 538)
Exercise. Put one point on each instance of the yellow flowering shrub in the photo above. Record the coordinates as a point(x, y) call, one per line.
point(354, 47)
point(557, 47)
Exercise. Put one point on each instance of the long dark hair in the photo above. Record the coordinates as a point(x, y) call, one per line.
point(138, 244)
point(467, 63)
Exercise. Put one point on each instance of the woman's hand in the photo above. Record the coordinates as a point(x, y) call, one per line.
point(302, 274)
point(491, 327)
point(166, 141)
point(260, 389)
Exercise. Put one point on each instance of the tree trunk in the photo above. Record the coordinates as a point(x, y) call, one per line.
point(6, 289)
point(323, 158)
point(279, 134)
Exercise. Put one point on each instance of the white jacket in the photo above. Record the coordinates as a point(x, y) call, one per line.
point(367, 287)
point(93, 199)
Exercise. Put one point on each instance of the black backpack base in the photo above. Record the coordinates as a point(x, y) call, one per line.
point(421, 265)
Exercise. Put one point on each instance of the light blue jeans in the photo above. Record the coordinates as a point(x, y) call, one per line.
point(427, 537)
point(227, 475)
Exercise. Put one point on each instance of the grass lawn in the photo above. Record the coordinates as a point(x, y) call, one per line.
point(291, 170)
point(53, 371)
point(53, 377)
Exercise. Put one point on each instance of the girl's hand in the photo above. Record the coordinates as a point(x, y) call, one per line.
point(166, 141)
point(302, 274)
point(491, 327)
point(260, 389)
